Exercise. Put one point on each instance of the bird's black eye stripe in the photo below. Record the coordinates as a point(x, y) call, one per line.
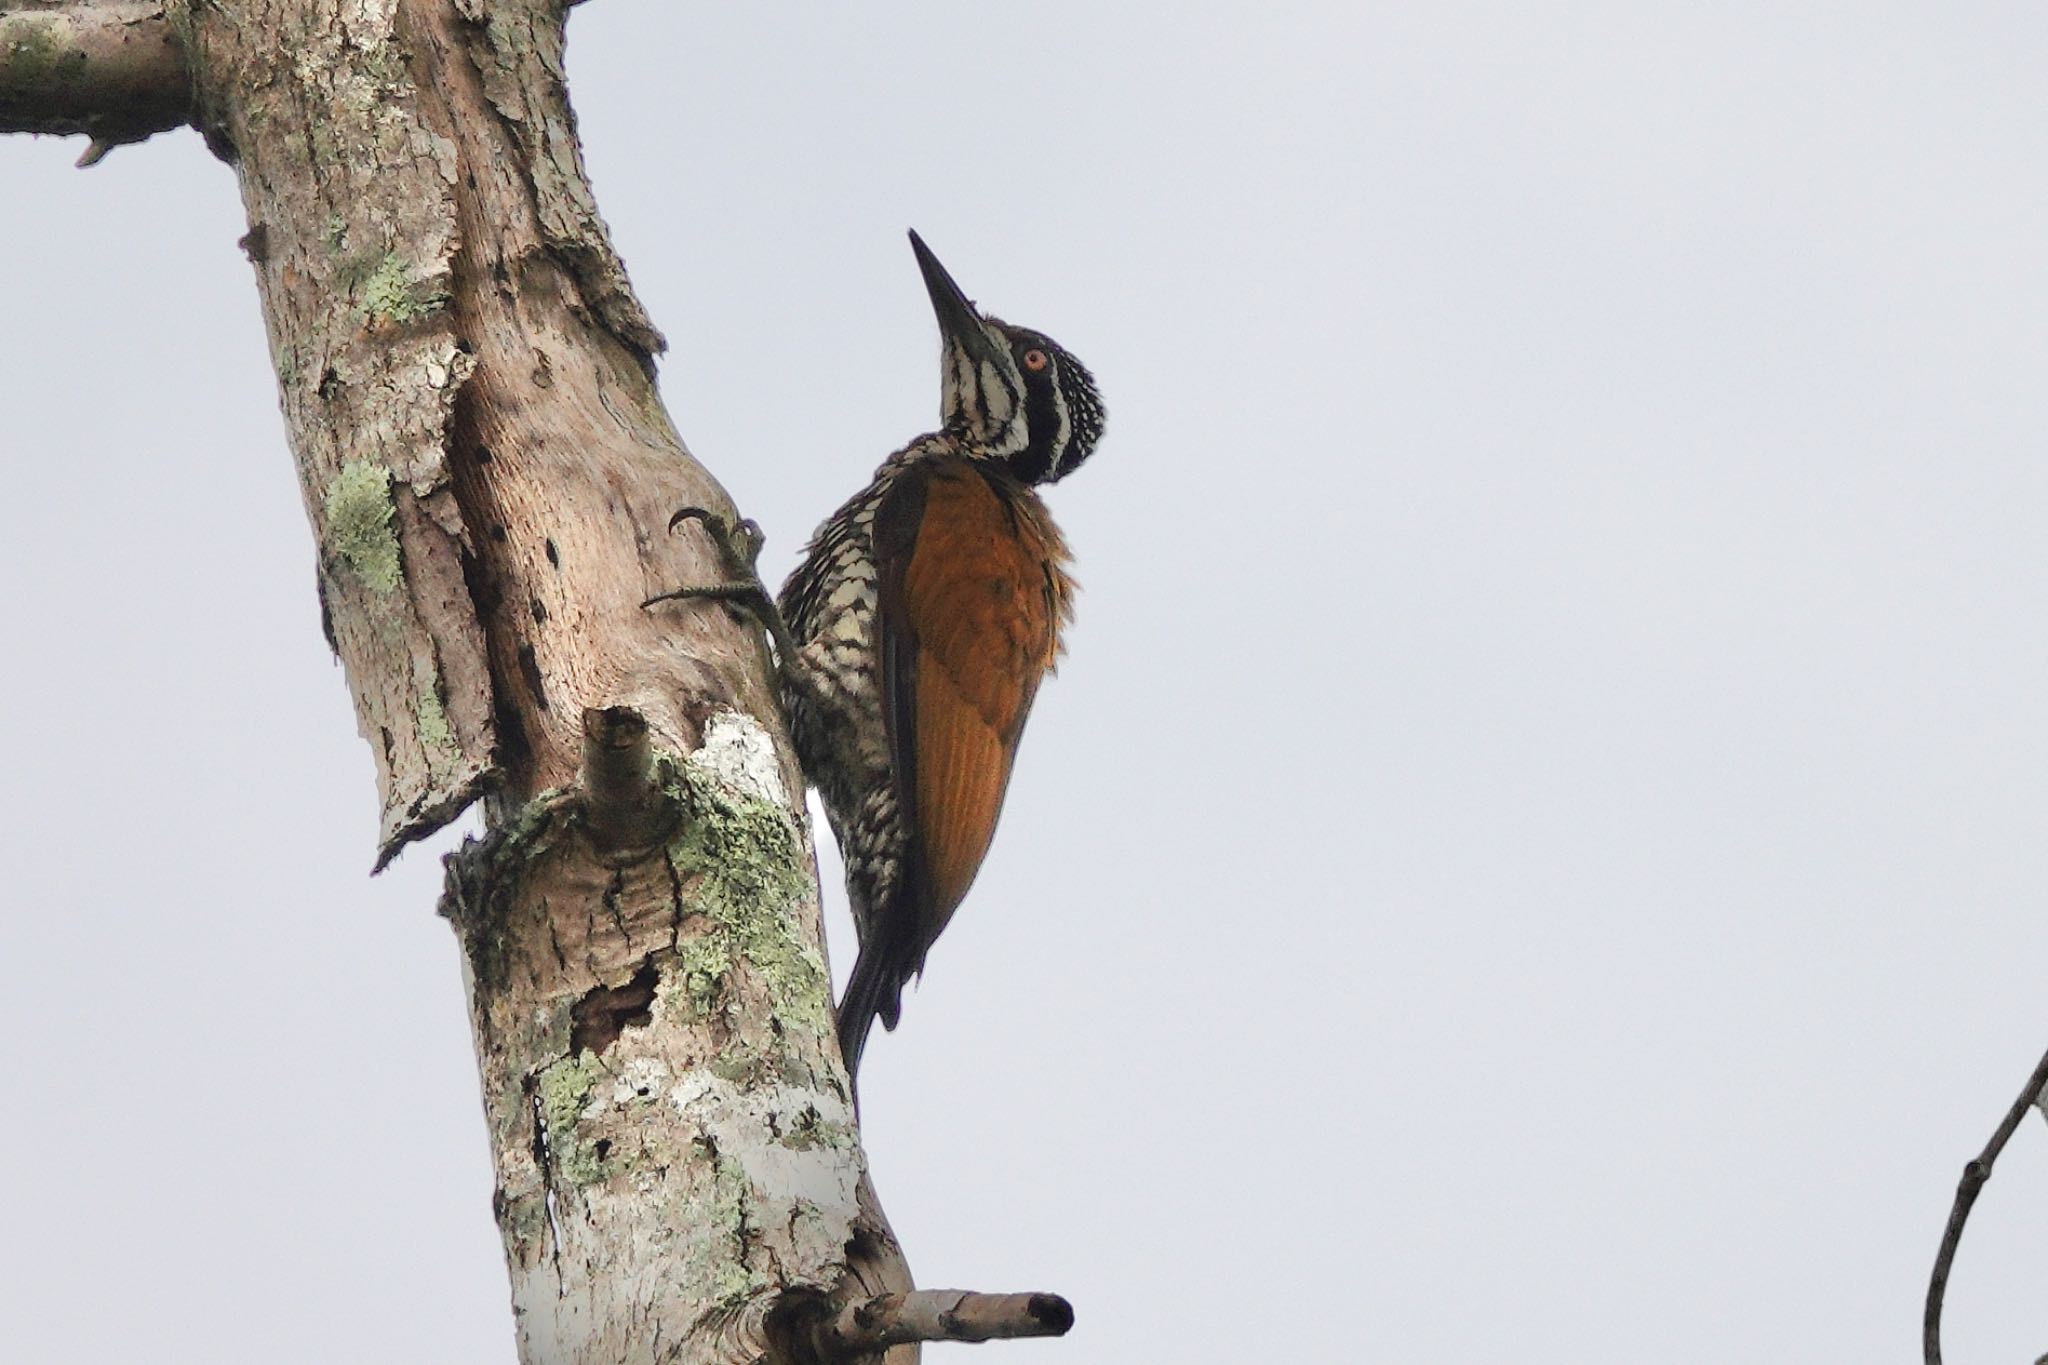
point(1041, 416)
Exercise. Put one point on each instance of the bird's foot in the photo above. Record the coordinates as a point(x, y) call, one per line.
point(739, 542)
point(739, 549)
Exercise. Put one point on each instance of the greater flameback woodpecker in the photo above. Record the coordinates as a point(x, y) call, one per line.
point(914, 634)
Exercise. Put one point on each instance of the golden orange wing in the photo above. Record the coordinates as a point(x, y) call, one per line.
point(973, 593)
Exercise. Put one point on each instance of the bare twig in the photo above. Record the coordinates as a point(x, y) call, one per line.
point(945, 1315)
point(1974, 1176)
point(110, 69)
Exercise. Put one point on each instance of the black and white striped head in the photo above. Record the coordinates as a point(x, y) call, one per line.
point(1010, 392)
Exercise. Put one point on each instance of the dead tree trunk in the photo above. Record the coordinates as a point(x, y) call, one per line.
point(467, 383)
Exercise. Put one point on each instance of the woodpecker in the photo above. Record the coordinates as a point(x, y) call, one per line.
point(913, 636)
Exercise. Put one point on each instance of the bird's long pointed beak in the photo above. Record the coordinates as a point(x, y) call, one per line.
point(958, 319)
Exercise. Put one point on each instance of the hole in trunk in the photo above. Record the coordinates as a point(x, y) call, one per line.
point(597, 1020)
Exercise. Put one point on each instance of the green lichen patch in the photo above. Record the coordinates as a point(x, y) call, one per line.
point(704, 960)
point(390, 292)
point(725, 1223)
point(358, 516)
point(29, 52)
point(432, 716)
point(564, 1090)
point(734, 1283)
point(743, 870)
point(813, 1129)
point(735, 1066)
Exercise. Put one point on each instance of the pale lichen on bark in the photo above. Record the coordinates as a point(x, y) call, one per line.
point(748, 873)
point(702, 1161)
point(357, 524)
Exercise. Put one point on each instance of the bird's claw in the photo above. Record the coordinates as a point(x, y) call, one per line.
point(739, 545)
point(703, 514)
point(739, 542)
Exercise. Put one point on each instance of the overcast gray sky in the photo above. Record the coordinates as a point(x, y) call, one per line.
point(1536, 853)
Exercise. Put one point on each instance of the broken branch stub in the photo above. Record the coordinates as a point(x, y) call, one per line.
point(622, 800)
point(112, 71)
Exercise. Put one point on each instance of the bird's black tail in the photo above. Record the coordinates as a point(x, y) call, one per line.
point(874, 990)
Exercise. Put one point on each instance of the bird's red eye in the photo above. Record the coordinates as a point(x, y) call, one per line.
point(1035, 360)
